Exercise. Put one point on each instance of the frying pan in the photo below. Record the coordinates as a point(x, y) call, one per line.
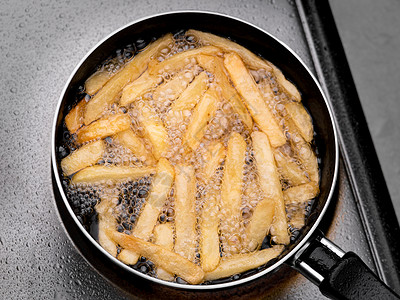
point(338, 275)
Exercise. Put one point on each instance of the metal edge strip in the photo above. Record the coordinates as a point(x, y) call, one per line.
point(376, 254)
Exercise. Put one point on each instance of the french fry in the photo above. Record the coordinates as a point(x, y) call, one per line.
point(108, 199)
point(173, 88)
point(286, 84)
point(185, 213)
point(213, 156)
point(162, 183)
point(289, 169)
point(266, 90)
point(137, 88)
point(243, 262)
point(215, 65)
point(297, 217)
point(107, 221)
point(302, 120)
point(154, 129)
point(161, 257)
point(130, 140)
point(254, 101)
point(95, 82)
point(301, 193)
point(98, 174)
point(164, 236)
point(144, 226)
point(74, 119)
point(180, 60)
point(103, 127)
point(202, 114)
point(304, 152)
point(253, 61)
point(209, 223)
point(83, 157)
point(188, 99)
point(309, 160)
point(128, 256)
point(104, 240)
point(272, 189)
point(259, 224)
point(132, 70)
point(231, 193)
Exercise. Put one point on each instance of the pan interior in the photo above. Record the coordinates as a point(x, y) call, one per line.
point(259, 43)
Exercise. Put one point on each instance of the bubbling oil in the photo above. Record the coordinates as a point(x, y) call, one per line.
point(132, 194)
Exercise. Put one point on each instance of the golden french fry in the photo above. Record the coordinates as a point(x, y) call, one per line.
point(215, 65)
point(161, 257)
point(297, 217)
point(180, 60)
point(271, 187)
point(266, 91)
point(95, 82)
point(144, 226)
point(202, 114)
point(130, 140)
point(188, 99)
point(154, 129)
point(289, 169)
point(83, 157)
point(243, 262)
point(214, 154)
point(161, 184)
point(185, 213)
point(303, 151)
point(173, 88)
point(209, 223)
point(302, 120)
point(253, 61)
point(164, 236)
point(98, 174)
point(259, 224)
point(104, 240)
point(107, 221)
point(301, 193)
point(103, 127)
point(108, 200)
point(309, 160)
point(132, 70)
point(231, 193)
point(254, 101)
point(286, 84)
point(74, 119)
point(137, 88)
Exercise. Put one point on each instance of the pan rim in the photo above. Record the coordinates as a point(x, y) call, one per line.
point(276, 265)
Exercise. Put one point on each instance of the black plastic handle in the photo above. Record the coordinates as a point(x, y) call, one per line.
point(352, 279)
point(340, 275)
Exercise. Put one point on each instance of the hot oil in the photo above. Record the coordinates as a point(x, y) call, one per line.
point(132, 195)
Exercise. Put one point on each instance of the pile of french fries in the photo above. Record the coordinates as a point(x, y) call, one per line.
point(140, 107)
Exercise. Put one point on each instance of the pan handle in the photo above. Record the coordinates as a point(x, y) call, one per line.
point(339, 275)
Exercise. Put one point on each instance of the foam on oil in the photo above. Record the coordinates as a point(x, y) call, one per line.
point(132, 194)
